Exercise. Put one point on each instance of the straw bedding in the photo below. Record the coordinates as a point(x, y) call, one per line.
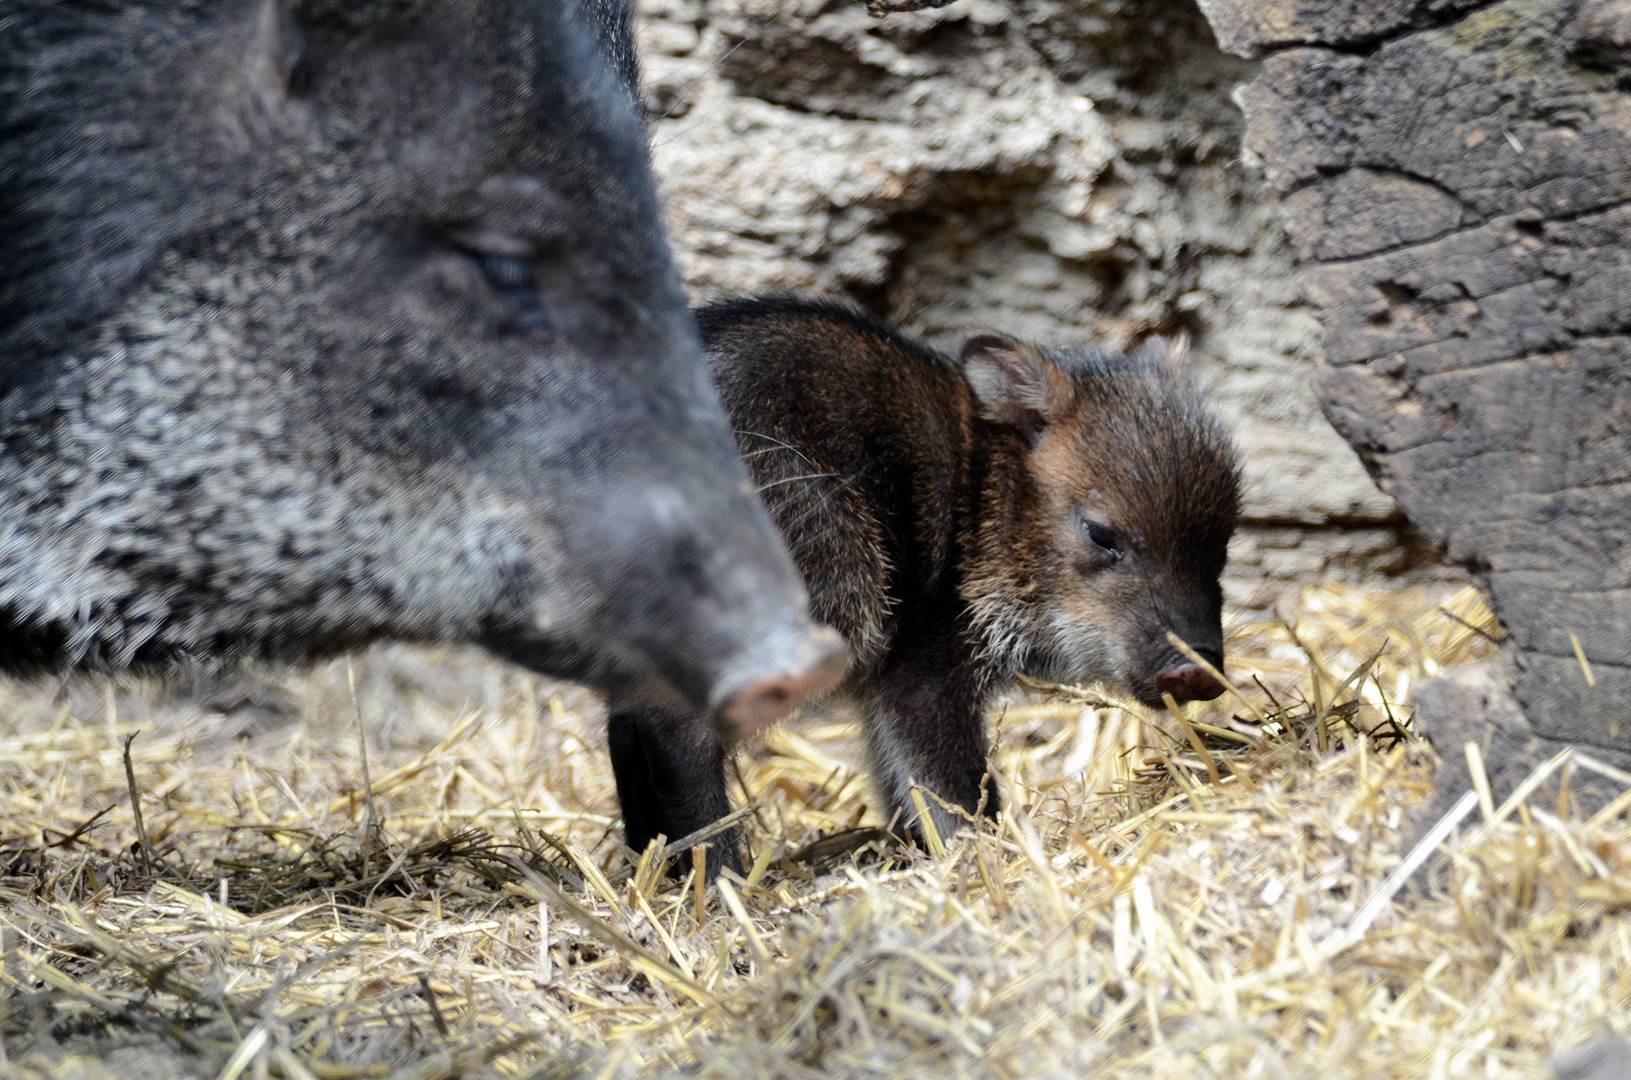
point(1210, 895)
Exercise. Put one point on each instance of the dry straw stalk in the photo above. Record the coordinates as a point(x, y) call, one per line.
point(1217, 892)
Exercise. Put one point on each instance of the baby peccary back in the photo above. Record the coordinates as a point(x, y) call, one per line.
point(1053, 512)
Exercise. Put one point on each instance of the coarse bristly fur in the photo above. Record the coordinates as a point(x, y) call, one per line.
point(1054, 512)
point(331, 321)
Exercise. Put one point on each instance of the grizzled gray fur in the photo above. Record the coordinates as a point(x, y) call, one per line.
point(330, 321)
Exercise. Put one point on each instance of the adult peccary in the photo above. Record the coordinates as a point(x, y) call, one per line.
point(1055, 512)
point(330, 321)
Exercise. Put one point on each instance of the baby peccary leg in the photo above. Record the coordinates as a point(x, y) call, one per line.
point(670, 770)
point(925, 728)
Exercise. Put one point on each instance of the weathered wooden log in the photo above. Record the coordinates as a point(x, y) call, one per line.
point(1456, 177)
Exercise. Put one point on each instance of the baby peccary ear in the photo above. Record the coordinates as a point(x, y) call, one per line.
point(1169, 354)
point(1013, 382)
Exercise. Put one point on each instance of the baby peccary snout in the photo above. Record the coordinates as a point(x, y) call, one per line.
point(1061, 513)
point(1189, 682)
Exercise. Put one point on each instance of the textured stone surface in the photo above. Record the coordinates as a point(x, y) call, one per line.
point(1249, 27)
point(1458, 178)
point(1063, 169)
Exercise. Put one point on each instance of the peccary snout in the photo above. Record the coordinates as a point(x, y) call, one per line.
point(1188, 682)
point(718, 628)
point(1182, 655)
point(688, 595)
point(815, 665)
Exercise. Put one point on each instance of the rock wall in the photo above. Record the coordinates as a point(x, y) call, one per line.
point(1456, 177)
point(1059, 169)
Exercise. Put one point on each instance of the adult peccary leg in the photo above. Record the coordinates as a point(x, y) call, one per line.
point(670, 771)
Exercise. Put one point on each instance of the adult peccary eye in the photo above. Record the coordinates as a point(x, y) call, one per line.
point(508, 273)
point(1103, 536)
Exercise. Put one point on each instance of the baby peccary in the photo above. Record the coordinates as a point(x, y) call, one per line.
point(1052, 512)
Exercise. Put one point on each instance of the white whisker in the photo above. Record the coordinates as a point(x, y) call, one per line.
point(796, 479)
point(778, 444)
point(713, 65)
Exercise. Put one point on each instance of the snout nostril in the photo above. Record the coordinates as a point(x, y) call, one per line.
point(817, 669)
point(1188, 682)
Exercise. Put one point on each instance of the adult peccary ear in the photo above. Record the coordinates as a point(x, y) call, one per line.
point(613, 23)
point(275, 60)
point(1014, 383)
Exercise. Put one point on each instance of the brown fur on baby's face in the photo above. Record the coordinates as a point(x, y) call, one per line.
point(1116, 533)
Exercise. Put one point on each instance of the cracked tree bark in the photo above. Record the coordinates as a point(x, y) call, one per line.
point(1456, 178)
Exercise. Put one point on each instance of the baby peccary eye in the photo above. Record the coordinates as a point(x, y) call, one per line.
point(1104, 537)
point(507, 273)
